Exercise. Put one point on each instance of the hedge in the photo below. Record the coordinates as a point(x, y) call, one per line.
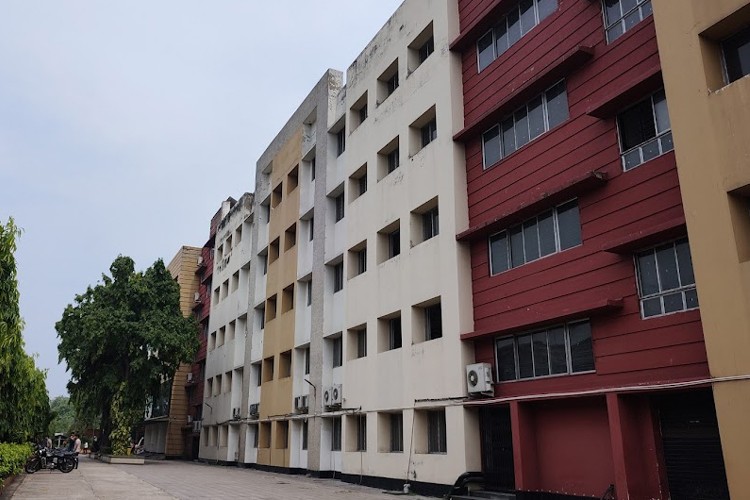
point(12, 459)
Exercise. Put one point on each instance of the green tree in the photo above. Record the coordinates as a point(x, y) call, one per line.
point(24, 403)
point(63, 415)
point(122, 338)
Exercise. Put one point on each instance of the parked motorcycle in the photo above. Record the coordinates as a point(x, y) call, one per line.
point(44, 458)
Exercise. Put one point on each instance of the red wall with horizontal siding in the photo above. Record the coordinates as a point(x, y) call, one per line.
point(628, 350)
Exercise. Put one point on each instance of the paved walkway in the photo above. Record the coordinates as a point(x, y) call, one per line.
point(162, 480)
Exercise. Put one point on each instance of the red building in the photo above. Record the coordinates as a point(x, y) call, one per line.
point(584, 296)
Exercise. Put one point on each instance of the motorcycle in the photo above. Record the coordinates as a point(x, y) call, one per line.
point(43, 458)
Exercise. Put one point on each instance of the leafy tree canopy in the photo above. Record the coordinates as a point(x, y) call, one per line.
point(24, 403)
point(123, 337)
point(63, 415)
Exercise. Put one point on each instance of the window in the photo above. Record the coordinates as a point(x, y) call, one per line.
point(340, 141)
point(361, 432)
point(426, 49)
point(559, 350)
point(304, 435)
point(307, 361)
point(433, 322)
point(393, 160)
point(388, 82)
point(536, 117)
point(389, 158)
point(311, 228)
point(312, 169)
point(394, 333)
point(336, 434)
point(337, 352)
point(622, 15)
point(292, 180)
point(359, 111)
point(267, 370)
point(290, 237)
point(339, 202)
point(276, 196)
point(308, 289)
point(429, 132)
point(285, 364)
point(430, 225)
point(358, 183)
point(736, 51)
point(436, 432)
point(273, 251)
point(548, 233)
point(394, 243)
point(666, 282)
point(338, 277)
point(362, 261)
point(645, 131)
point(361, 343)
point(519, 21)
point(362, 114)
point(287, 299)
point(254, 430)
point(264, 263)
point(271, 308)
point(397, 433)
point(261, 314)
point(392, 83)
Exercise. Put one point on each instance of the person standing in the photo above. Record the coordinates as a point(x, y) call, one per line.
point(77, 444)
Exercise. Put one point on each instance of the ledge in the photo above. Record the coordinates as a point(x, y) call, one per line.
point(537, 203)
point(540, 315)
point(649, 236)
point(628, 92)
point(118, 459)
point(481, 24)
point(558, 69)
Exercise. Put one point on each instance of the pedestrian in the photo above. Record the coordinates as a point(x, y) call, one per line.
point(77, 444)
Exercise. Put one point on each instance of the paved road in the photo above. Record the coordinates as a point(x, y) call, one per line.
point(162, 480)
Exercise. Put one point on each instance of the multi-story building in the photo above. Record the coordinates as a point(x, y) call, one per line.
point(704, 49)
point(585, 303)
point(167, 415)
point(227, 332)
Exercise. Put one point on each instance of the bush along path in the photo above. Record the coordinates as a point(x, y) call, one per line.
point(12, 459)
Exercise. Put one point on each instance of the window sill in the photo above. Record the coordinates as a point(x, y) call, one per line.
point(546, 377)
point(649, 236)
point(540, 316)
point(557, 70)
point(537, 201)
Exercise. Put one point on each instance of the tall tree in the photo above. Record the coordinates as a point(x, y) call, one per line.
point(24, 403)
point(63, 415)
point(121, 339)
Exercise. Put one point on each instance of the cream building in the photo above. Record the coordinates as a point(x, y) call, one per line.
point(222, 431)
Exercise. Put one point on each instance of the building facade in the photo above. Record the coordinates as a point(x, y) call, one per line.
point(704, 49)
point(585, 304)
point(167, 418)
point(227, 333)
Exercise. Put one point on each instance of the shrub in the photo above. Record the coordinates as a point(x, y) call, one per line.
point(12, 459)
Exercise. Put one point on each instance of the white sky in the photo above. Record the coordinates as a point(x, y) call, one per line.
point(123, 124)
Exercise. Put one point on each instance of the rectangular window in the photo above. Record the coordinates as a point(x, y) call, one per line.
point(337, 352)
point(362, 343)
point(362, 114)
point(645, 131)
point(436, 432)
point(548, 233)
point(362, 184)
point(622, 15)
point(311, 229)
point(312, 169)
point(336, 434)
point(539, 115)
point(308, 289)
point(558, 350)
point(736, 52)
point(430, 224)
point(394, 243)
point(338, 277)
point(361, 261)
point(340, 141)
point(521, 19)
point(426, 49)
point(307, 361)
point(666, 282)
point(339, 201)
point(361, 432)
point(304, 435)
point(392, 83)
point(429, 132)
point(393, 160)
point(394, 333)
point(397, 432)
point(433, 322)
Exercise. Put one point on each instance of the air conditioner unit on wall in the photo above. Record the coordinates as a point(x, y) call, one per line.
point(189, 377)
point(254, 410)
point(479, 379)
point(300, 404)
point(197, 297)
point(236, 413)
point(200, 260)
point(333, 396)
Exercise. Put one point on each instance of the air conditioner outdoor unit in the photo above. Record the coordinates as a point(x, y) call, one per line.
point(197, 297)
point(190, 419)
point(236, 413)
point(332, 396)
point(200, 260)
point(197, 424)
point(254, 409)
point(300, 404)
point(190, 378)
point(479, 379)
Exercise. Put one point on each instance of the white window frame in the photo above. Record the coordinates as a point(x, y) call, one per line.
point(639, 7)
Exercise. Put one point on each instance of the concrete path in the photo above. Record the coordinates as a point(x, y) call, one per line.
point(161, 480)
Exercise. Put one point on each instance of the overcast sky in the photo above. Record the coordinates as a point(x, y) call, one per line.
point(123, 124)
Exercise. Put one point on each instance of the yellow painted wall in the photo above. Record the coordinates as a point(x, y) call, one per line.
point(711, 128)
point(279, 332)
